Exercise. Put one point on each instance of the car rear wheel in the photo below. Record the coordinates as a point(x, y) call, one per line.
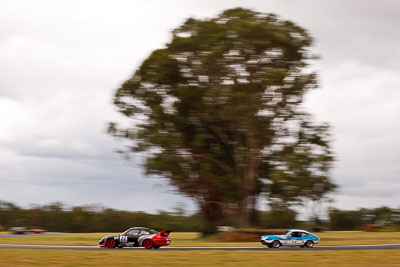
point(110, 243)
point(148, 243)
point(276, 244)
point(309, 244)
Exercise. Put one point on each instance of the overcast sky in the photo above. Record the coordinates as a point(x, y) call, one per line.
point(61, 62)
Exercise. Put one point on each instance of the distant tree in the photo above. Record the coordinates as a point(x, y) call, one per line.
point(218, 113)
point(345, 219)
point(56, 218)
point(278, 218)
point(8, 212)
point(381, 216)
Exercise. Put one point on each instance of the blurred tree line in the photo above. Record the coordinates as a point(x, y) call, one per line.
point(92, 218)
point(366, 219)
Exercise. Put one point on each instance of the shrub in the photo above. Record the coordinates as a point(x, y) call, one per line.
point(245, 235)
point(345, 219)
point(371, 227)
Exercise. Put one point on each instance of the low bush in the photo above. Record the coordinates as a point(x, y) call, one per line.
point(371, 227)
point(245, 235)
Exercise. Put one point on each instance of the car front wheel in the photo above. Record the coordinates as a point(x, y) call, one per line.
point(309, 244)
point(276, 244)
point(110, 243)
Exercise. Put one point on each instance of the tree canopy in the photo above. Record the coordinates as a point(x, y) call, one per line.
point(219, 112)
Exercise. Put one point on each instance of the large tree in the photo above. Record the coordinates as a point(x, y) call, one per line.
point(218, 111)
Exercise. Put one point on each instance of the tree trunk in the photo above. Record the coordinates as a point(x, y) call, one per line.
point(250, 164)
point(214, 216)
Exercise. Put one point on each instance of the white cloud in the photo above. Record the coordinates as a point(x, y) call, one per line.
point(60, 62)
point(363, 105)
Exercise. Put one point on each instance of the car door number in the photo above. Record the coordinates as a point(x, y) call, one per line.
point(123, 238)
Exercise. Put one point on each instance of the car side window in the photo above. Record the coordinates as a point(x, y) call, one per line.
point(296, 234)
point(144, 232)
point(133, 232)
point(303, 234)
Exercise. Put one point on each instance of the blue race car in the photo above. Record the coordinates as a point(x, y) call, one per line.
point(292, 237)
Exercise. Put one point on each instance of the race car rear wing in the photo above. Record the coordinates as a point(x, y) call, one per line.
point(165, 232)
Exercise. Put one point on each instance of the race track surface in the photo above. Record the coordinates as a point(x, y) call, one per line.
point(259, 248)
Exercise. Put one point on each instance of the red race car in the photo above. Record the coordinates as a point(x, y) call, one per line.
point(37, 230)
point(137, 237)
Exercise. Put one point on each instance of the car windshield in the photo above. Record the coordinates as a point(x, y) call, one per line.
point(287, 233)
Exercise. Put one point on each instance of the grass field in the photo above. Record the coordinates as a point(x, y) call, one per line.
point(27, 257)
point(30, 257)
point(194, 239)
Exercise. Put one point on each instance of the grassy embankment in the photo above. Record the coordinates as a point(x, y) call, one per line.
point(44, 258)
point(194, 239)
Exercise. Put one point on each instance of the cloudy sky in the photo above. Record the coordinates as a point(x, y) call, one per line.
point(61, 61)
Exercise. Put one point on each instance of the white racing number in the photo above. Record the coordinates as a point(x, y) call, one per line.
point(123, 238)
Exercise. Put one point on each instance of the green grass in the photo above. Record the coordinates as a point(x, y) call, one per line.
point(268, 257)
point(47, 258)
point(194, 239)
point(333, 238)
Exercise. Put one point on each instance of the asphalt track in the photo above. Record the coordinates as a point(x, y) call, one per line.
point(259, 248)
